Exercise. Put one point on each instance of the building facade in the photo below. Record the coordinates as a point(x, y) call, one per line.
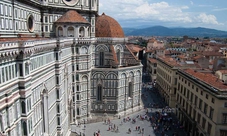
point(61, 63)
point(198, 96)
point(201, 103)
point(152, 68)
point(167, 79)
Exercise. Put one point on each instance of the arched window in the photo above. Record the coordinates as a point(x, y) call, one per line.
point(60, 31)
point(44, 107)
point(70, 32)
point(78, 111)
point(58, 108)
point(99, 93)
point(88, 31)
point(25, 132)
point(23, 106)
point(101, 58)
point(130, 89)
point(118, 56)
point(84, 50)
point(81, 32)
point(16, 26)
point(59, 120)
point(77, 50)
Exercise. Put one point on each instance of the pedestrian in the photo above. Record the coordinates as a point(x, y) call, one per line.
point(136, 128)
point(129, 130)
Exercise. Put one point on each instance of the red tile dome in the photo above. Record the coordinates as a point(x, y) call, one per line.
point(71, 16)
point(106, 26)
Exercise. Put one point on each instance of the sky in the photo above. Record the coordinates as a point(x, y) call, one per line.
point(168, 13)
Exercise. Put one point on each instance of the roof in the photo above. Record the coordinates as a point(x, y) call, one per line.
point(212, 53)
point(208, 78)
point(71, 17)
point(106, 26)
point(131, 52)
point(152, 60)
point(170, 52)
point(170, 61)
point(135, 48)
point(152, 40)
point(223, 71)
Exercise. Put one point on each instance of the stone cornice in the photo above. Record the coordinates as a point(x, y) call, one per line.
point(13, 48)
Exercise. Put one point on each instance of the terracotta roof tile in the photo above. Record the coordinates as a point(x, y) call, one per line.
point(208, 78)
point(152, 40)
point(152, 60)
point(212, 53)
point(198, 57)
point(135, 48)
point(131, 52)
point(108, 27)
point(223, 71)
point(71, 17)
point(170, 61)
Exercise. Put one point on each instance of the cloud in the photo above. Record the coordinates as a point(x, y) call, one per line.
point(219, 9)
point(205, 5)
point(140, 12)
point(142, 9)
point(207, 19)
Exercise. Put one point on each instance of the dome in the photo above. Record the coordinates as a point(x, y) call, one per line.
point(106, 26)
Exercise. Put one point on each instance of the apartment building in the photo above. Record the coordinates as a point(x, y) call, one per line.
point(167, 79)
point(152, 68)
point(167, 68)
point(201, 103)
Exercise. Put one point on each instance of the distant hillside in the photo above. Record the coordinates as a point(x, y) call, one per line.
point(164, 31)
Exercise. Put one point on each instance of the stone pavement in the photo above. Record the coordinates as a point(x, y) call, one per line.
point(150, 97)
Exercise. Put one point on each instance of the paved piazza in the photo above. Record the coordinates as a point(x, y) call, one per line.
point(149, 98)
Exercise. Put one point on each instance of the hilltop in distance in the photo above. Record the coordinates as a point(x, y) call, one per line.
point(165, 31)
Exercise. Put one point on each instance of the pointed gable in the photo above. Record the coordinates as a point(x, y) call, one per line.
point(71, 17)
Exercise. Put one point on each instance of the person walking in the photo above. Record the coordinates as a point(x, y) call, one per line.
point(129, 131)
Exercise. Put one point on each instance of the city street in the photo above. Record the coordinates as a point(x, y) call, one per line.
point(156, 119)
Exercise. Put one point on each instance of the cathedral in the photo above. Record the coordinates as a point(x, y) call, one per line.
point(62, 63)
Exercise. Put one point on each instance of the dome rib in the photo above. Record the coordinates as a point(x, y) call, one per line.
point(71, 17)
point(106, 26)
